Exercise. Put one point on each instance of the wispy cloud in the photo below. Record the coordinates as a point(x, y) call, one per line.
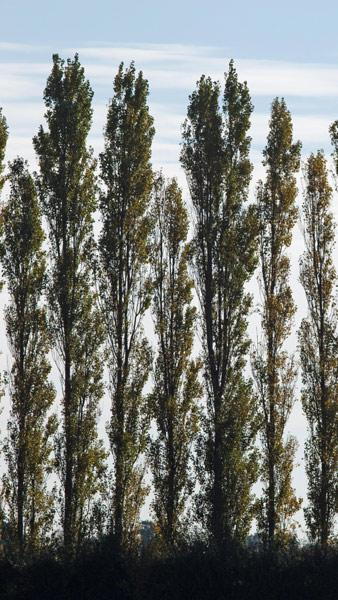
point(180, 66)
point(145, 52)
point(22, 80)
point(172, 70)
point(271, 78)
point(24, 116)
point(310, 129)
point(17, 47)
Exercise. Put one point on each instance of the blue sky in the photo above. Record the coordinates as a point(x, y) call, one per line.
point(294, 30)
point(287, 49)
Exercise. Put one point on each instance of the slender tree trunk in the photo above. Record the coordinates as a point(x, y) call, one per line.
point(271, 500)
point(68, 485)
point(119, 494)
point(218, 504)
point(21, 493)
point(171, 488)
point(271, 445)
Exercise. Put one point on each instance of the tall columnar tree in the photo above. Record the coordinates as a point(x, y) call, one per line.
point(215, 156)
point(274, 369)
point(125, 289)
point(318, 347)
point(29, 443)
point(176, 387)
point(67, 190)
point(3, 142)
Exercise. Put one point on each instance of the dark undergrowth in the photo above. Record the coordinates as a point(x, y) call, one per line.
point(196, 574)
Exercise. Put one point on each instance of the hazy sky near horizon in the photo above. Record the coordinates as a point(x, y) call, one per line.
point(289, 49)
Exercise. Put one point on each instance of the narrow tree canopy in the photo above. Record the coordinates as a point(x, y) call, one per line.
point(125, 289)
point(66, 185)
point(28, 502)
point(274, 369)
point(176, 386)
point(318, 351)
point(215, 156)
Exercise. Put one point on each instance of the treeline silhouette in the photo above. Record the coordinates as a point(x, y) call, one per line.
point(102, 573)
point(207, 430)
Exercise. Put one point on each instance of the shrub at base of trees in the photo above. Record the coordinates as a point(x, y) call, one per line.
point(199, 573)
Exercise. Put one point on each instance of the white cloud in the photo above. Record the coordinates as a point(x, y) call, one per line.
point(166, 152)
point(21, 146)
point(144, 52)
point(24, 117)
point(309, 129)
point(277, 78)
point(17, 47)
point(14, 87)
point(180, 66)
point(21, 80)
point(24, 68)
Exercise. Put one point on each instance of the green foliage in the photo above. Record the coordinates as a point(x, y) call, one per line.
point(318, 349)
point(125, 289)
point(197, 572)
point(67, 190)
point(3, 142)
point(28, 505)
point(274, 370)
point(176, 386)
point(141, 264)
point(334, 140)
point(215, 156)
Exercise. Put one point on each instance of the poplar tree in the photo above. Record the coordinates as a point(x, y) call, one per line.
point(28, 446)
point(3, 142)
point(274, 369)
point(215, 156)
point(318, 350)
point(176, 386)
point(67, 189)
point(125, 289)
